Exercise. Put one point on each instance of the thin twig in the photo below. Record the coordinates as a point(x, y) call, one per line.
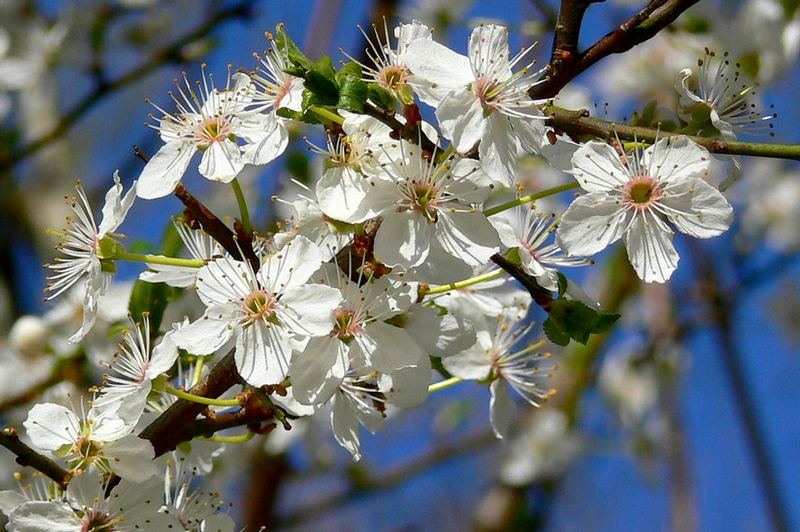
point(579, 123)
point(642, 26)
point(27, 457)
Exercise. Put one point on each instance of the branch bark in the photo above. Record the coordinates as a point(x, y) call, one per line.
point(579, 123)
point(567, 63)
point(174, 425)
point(27, 457)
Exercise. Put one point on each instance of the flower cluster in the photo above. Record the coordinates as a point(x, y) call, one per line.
point(398, 259)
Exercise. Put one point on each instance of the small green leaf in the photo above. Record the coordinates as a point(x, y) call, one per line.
point(286, 46)
point(554, 333)
point(323, 87)
point(381, 97)
point(562, 284)
point(605, 322)
point(352, 94)
point(154, 297)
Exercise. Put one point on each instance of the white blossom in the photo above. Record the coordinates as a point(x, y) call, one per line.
point(80, 244)
point(633, 197)
point(200, 246)
point(480, 99)
point(261, 311)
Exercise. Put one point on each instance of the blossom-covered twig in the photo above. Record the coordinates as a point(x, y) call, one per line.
point(166, 432)
point(579, 123)
point(567, 62)
point(28, 457)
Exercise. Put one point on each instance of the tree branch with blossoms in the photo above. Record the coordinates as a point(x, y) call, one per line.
point(399, 259)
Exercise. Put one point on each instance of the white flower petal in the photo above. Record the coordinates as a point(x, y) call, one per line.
point(263, 354)
point(461, 119)
point(650, 249)
point(438, 64)
point(698, 209)
point(164, 170)
point(43, 516)
point(473, 363)
point(468, 236)
point(132, 458)
point(222, 161)
point(51, 426)
point(403, 239)
point(502, 409)
point(390, 347)
point(203, 336)
point(291, 266)
point(116, 206)
point(308, 310)
point(674, 160)
point(597, 167)
point(591, 223)
point(318, 370)
point(343, 194)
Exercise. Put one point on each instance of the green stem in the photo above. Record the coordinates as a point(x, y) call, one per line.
point(579, 122)
point(199, 399)
point(241, 438)
point(198, 370)
point(443, 288)
point(530, 197)
point(326, 114)
point(245, 214)
point(158, 259)
point(441, 385)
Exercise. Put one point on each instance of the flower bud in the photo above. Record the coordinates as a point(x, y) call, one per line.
point(29, 335)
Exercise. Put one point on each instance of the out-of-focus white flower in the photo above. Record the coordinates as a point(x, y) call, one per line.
point(632, 388)
point(81, 243)
point(29, 335)
point(438, 13)
point(543, 449)
point(770, 204)
point(632, 197)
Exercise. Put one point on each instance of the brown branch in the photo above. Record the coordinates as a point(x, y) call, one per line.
point(172, 53)
point(569, 63)
point(580, 124)
point(27, 457)
point(172, 426)
point(541, 296)
point(567, 34)
point(216, 228)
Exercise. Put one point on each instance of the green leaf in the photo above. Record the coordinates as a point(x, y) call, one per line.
point(554, 333)
point(382, 98)
point(352, 94)
point(154, 297)
point(323, 87)
point(562, 284)
point(309, 118)
point(286, 46)
point(351, 69)
point(605, 322)
point(574, 318)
